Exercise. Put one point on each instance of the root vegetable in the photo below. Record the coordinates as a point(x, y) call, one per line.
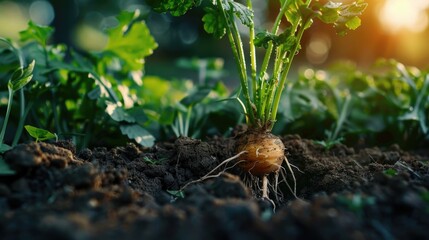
point(264, 152)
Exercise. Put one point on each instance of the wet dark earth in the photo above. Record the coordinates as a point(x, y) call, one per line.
point(132, 193)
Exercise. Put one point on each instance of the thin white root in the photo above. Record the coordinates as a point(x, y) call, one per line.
point(293, 176)
point(209, 174)
point(265, 187)
point(276, 186)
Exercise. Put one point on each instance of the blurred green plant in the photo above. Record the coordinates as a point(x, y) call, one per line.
point(20, 77)
point(40, 134)
point(72, 91)
point(386, 105)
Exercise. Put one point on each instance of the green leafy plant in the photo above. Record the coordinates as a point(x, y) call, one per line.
point(404, 90)
point(20, 77)
point(91, 94)
point(40, 134)
point(262, 87)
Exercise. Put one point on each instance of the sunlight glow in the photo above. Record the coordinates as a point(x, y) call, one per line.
point(396, 15)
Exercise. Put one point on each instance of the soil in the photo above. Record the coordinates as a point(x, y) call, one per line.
point(131, 192)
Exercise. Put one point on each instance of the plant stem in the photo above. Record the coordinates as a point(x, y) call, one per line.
point(265, 187)
point(188, 120)
point(6, 118)
point(274, 30)
point(341, 119)
point(18, 132)
point(22, 114)
point(252, 52)
point(278, 66)
point(262, 94)
point(237, 49)
point(286, 70)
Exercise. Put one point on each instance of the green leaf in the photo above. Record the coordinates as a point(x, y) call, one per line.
point(4, 168)
point(244, 14)
point(40, 34)
point(344, 17)
point(214, 23)
point(175, 7)
point(95, 93)
point(138, 133)
point(262, 39)
point(328, 144)
point(176, 193)
point(330, 12)
point(138, 114)
point(292, 13)
point(4, 148)
point(196, 97)
point(353, 23)
point(118, 114)
point(39, 134)
point(286, 38)
point(167, 116)
point(21, 77)
point(130, 41)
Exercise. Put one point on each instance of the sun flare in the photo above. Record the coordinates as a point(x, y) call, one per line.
point(396, 15)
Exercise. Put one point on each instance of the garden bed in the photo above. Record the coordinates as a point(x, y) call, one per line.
point(128, 193)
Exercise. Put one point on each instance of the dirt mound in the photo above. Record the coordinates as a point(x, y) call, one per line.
point(131, 193)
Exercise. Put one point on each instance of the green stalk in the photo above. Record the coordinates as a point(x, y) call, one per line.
point(180, 123)
point(188, 121)
point(274, 30)
point(341, 119)
point(286, 71)
point(22, 114)
point(267, 57)
point(6, 118)
point(53, 97)
point(252, 53)
point(275, 106)
point(18, 132)
point(237, 49)
point(273, 82)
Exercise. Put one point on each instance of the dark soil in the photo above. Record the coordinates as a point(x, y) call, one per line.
point(128, 193)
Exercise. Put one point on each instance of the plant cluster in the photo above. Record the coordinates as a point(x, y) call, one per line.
point(384, 105)
point(262, 88)
point(94, 97)
point(258, 151)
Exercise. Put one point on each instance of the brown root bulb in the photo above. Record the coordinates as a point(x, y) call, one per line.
point(264, 152)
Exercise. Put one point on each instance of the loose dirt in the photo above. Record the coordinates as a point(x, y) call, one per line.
point(130, 192)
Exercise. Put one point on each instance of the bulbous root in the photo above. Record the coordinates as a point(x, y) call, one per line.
point(260, 154)
point(264, 152)
point(264, 155)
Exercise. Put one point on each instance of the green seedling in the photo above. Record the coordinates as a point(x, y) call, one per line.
point(176, 194)
point(328, 144)
point(20, 78)
point(390, 172)
point(17, 85)
point(40, 134)
point(151, 161)
point(262, 153)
